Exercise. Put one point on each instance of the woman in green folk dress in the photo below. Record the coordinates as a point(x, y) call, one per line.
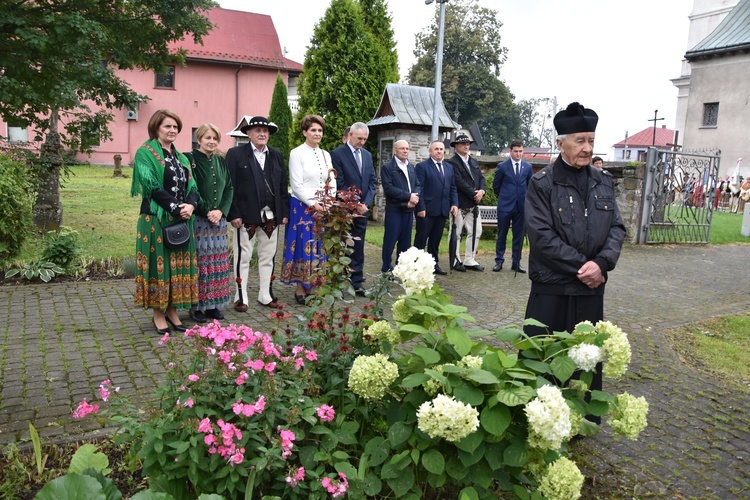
point(211, 239)
point(166, 279)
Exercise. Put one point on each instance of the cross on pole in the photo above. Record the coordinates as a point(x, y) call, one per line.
point(654, 119)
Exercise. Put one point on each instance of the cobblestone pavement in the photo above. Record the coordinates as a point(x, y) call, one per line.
point(59, 341)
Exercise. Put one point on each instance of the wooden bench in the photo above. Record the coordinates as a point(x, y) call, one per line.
point(488, 214)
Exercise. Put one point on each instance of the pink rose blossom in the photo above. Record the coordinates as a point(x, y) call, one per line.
point(189, 403)
point(193, 377)
point(299, 475)
point(337, 488)
point(297, 349)
point(164, 339)
point(299, 363)
point(311, 355)
point(270, 367)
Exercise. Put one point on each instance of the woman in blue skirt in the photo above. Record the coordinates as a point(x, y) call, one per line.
point(309, 170)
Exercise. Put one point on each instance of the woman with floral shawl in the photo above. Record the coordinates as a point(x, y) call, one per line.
point(166, 279)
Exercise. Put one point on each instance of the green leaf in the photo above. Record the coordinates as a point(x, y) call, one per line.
point(482, 376)
point(601, 396)
point(563, 368)
point(459, 339)
point(180, 446)
point(430, 356)
point(108, 485)
point(372, 485)
point(87, 457)
point(37, 449)
point(153, 495)
point(433, 461)
point(403, 483)
point(538, 366)
point(495, 419)
point(516, 395)
point(456, 469)
point(470, 395)
point(508, 334)
point(521, 374)
point(72, 487)
point(411, 327)
point(516, 455)
point(507, 360)
point(377, 448)
point(414, 380)
point(597, 408)
point(470, 458)
point(398, 433)
point(471, 442)
point(468, 493)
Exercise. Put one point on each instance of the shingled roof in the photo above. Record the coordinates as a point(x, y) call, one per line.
point(645, 138)
point(240, 38)
point(410, 105)
point(731, 35)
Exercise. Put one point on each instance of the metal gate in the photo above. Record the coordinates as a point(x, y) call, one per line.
point(679, 195)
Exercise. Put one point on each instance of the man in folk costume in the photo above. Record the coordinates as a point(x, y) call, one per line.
point(471, 186)
point(575, 231)
point(260, 204)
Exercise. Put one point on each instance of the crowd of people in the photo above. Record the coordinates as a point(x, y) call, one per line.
point(567, 210)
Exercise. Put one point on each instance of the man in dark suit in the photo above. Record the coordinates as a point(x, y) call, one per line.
point(510, 184)
point(401, 189)
point(260, 204)
point(438, 198)
point(471, 186)
point(354, 167)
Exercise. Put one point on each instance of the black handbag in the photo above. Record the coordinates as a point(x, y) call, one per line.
point(176, 235)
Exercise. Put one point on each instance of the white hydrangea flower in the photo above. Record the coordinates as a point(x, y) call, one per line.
point(382, 331)
point(401, 312)
point(447, 418)
point(549, 418)
point(415, 270)
point(616, 349)
point(585, 356)
point(371, 376)
point(471, 362)
point(629, 415)
point(562, 481)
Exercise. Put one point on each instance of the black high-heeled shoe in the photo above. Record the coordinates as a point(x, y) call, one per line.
point(301, 299)
point(160, 331)
point(179, 328)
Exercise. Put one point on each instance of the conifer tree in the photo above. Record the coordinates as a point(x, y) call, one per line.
point(378, 21)
point(344, 73)
point(281, 115)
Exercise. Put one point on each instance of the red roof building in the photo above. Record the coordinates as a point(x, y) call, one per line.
point(634, 148)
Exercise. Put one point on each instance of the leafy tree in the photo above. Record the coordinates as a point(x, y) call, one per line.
point(472, 59)
point(536, 122)
point(344, 76)
point(378, 21)
point(281, 115)
point(59, 57)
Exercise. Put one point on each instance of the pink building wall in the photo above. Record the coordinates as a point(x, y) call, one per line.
point(223, 81)
point(215, 93)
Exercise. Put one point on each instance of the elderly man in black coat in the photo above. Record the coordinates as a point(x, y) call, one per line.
point(575, 230)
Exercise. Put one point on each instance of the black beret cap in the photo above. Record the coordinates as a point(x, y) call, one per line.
point(574, 119)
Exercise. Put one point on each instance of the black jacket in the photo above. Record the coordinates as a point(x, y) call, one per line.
point(565, 231)
point(249, 187)
point(467, 183)
point(396, 188)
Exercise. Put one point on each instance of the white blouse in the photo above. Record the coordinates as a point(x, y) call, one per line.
point(308, 172)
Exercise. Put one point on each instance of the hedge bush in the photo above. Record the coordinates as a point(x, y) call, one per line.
point(16, 202)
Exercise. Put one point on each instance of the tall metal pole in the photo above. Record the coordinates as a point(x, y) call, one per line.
point(438, 72)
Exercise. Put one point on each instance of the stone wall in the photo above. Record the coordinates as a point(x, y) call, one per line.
point(629, 192)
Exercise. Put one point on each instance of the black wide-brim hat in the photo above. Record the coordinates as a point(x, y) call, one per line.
point(259, 121)
point(575, 119)
point(460, 138)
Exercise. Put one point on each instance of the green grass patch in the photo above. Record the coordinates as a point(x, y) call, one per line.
point(717, 346)
point(726, 228)
point(101, 209)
